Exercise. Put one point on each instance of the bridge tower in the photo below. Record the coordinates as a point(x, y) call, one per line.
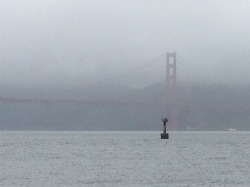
point(171, 88)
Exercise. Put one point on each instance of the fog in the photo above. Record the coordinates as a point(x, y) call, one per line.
point(80, 42)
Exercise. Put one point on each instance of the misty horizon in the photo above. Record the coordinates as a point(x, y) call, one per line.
point(116, 50)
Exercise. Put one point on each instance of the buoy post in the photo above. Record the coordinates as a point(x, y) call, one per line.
point(164, 134)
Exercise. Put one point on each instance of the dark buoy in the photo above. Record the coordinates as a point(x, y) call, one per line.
point(164, 134)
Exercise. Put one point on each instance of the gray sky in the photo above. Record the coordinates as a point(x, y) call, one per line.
point(83, 41)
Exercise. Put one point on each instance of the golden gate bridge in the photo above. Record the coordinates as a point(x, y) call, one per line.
point(171, 100)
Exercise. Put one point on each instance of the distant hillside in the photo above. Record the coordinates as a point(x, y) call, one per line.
point(92, 92)
point(200, 107)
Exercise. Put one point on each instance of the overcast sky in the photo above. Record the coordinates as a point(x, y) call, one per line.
point(83, 41)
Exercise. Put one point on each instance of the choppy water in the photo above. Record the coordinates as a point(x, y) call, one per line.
point(124, 159)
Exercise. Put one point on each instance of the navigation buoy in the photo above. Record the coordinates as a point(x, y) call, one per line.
point(164, 134)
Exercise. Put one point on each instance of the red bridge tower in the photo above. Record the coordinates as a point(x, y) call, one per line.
point(171, 88)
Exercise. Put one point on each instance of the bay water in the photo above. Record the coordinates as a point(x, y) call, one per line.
point(124, 159)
